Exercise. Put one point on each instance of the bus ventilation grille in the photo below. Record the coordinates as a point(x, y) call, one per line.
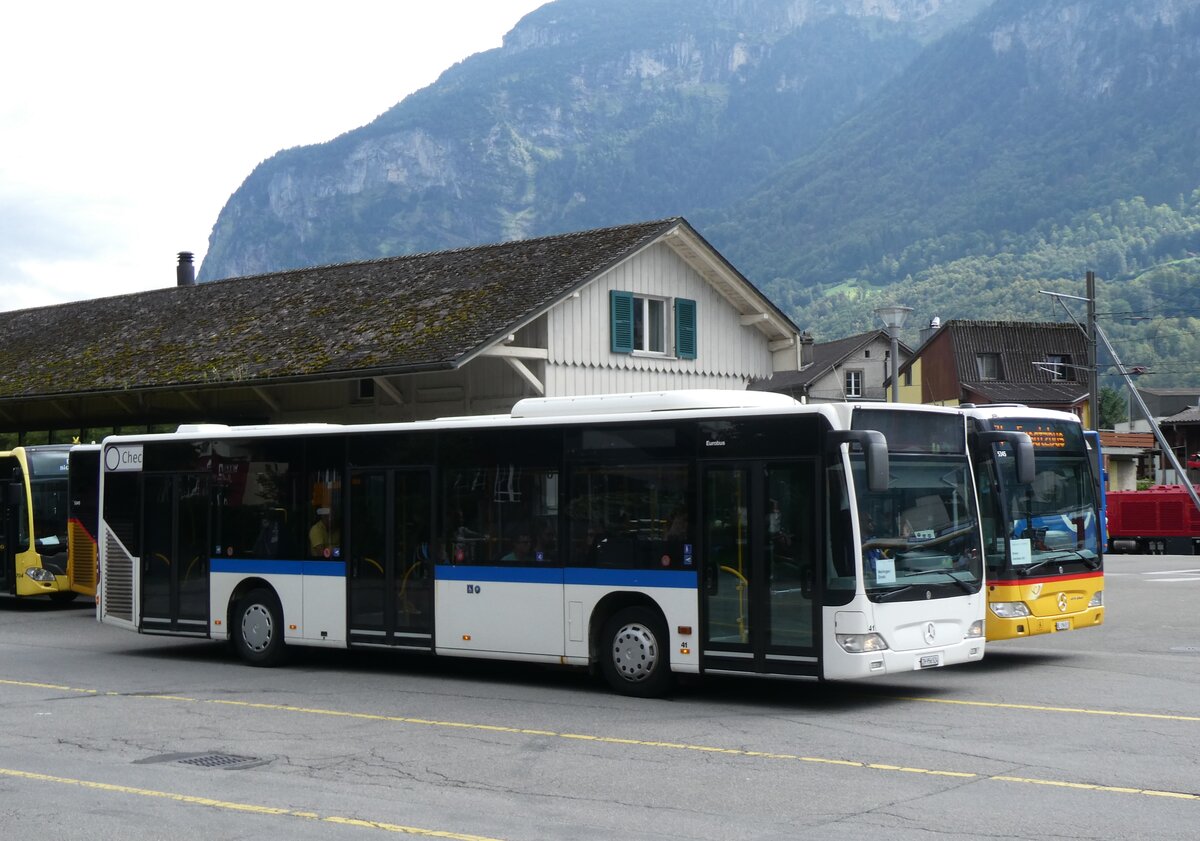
point(118, 579)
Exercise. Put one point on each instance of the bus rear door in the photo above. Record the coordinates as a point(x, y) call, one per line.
point(175, 547)
point(390, 571)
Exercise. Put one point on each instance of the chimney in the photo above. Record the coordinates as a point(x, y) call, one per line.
point(935, 324)
point(806, 350)
point(185, 272)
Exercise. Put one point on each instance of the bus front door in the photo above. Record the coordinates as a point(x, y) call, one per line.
point(759, 546)
point(175, 546)
point(390, 571)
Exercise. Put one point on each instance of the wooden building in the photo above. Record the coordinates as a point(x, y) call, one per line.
point(1042, 364)
point(641, 307)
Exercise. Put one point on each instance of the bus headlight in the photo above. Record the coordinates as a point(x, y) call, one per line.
point(44, 576)
point(1097, 600)
point(976, 629)
point(859, 643)
point(1009, 610)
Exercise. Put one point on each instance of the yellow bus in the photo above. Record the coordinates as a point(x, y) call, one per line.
point(1042, 533)
point(83, 483)
point(33, 522)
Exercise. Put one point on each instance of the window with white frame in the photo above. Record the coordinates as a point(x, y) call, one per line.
point(649, 324)
point(1059, 366)
point(854, 383)
point(639, 324)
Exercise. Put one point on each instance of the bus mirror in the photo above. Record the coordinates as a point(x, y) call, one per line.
point(1022, 448)
point(874, 447)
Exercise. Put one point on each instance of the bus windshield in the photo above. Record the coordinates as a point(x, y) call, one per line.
point(48, 491)
point(1051, 519)
point(921, 531)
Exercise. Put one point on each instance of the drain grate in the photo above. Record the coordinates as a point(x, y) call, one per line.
point(228, 761)
point(221, 760)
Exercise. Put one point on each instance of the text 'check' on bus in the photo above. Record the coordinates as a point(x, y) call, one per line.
point(33, 522)
point(1043, 531)
point(639, 535)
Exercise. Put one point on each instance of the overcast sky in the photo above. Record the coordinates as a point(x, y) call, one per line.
point(125, 126)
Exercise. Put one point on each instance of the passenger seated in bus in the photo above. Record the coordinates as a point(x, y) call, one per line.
point(269, 532)
point(324, 539)
point(678, 526)
point(545, 542)
point(521, 547)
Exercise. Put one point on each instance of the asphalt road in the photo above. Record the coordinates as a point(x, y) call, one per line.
point(1083, 735)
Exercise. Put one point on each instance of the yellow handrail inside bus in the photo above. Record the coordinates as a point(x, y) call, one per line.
point(743, 583)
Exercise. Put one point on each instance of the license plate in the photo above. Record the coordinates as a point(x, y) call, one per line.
point(1062, 625)
point(929, 661)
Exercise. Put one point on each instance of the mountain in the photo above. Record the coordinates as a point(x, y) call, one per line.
point(956, 155)
point(1036, 114)
point(594, 112)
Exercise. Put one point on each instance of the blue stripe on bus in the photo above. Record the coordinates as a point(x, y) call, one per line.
point(251, 566)
point(510, 575)
point(673, 578)
point(684, 579)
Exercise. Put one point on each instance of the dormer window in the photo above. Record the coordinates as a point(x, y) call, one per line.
point(1059, 366)
point(988, 366)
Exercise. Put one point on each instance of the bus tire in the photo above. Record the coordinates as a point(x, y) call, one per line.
point(634, 656)
point(258, 628)
point(63, 596)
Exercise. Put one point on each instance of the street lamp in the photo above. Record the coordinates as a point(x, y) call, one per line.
point(893, 317)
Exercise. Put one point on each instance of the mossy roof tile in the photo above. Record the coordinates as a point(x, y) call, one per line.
point(410, 313)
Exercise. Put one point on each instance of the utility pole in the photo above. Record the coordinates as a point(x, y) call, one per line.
point(1092, 363)
point(1167, 452)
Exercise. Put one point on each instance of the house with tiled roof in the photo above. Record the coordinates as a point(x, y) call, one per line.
point(852, 368)
point(1042, 364)
point(638, 307)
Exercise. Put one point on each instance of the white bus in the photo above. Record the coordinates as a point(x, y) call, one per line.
point(642, 535)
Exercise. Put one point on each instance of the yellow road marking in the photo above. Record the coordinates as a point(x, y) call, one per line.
point(613, 740)
point(243, 807)
point(1047, 709)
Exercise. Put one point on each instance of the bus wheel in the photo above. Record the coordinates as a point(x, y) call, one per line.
point(63, 596)
point(634, 656)
point(258, 628)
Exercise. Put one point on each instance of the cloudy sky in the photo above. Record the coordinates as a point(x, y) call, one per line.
point(125, 126)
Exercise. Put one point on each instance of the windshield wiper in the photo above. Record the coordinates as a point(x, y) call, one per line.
point(888, 595)
point(883, 597)
point(1091, 563)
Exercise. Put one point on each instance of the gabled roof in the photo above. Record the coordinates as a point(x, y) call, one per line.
point(826, 357)
point(413, 313)
point(1186, 417)
point(1023, 348)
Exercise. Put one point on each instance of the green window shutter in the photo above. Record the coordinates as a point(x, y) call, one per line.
point(620, 305)
point(685, 328)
